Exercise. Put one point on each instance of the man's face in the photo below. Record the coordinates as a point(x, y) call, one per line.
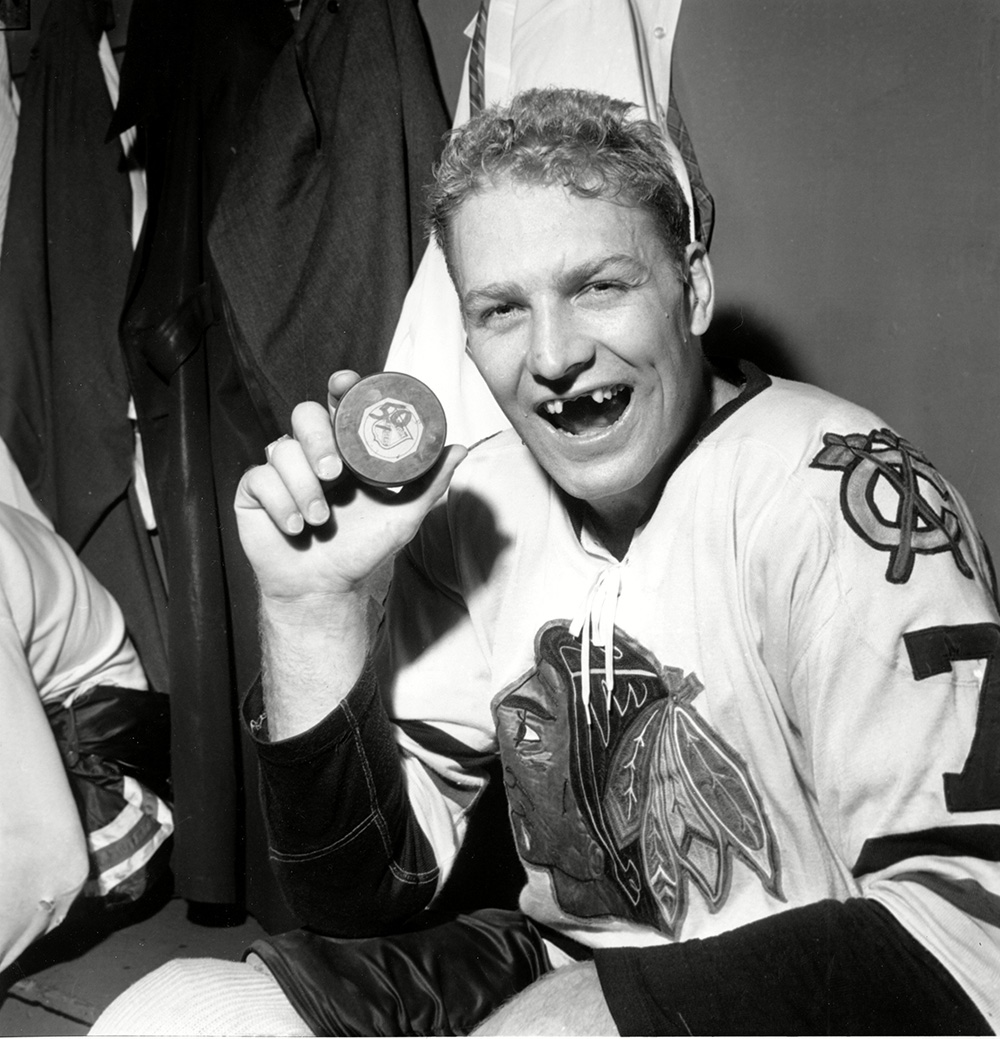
point(585, 333)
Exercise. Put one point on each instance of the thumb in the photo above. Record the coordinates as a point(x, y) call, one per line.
point(433, 484)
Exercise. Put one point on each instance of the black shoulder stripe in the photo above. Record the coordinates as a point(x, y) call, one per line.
point(977, 842)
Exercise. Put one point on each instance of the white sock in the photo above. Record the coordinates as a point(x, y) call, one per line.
point(204, 997)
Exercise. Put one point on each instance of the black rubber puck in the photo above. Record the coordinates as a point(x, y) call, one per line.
point(390, 429)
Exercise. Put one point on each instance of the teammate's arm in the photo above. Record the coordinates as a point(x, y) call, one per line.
point(43, 851)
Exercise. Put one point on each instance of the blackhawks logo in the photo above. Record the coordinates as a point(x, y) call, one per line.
point(894, 499)
point(628, 797)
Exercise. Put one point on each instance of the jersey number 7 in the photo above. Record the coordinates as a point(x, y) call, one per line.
point(977, 787)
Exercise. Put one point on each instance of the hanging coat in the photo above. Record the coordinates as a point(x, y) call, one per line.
point(189, 74)
point(320, 226)
point(66, 254)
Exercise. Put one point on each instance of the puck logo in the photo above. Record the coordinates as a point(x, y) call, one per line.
point(390, 429)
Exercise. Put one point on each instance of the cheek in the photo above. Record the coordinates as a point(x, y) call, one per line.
point(676, 375)
point(499, 369)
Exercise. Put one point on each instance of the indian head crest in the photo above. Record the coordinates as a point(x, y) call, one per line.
point(629, 798)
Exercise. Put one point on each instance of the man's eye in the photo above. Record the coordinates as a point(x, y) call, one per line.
point(603, 288)
point(498, 314)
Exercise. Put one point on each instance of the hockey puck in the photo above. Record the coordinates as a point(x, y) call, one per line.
point(390, 429)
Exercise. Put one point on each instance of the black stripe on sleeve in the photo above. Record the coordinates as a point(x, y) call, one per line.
point(977, 842)
point(831, 968)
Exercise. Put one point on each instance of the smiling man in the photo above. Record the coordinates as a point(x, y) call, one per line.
point(584, 320)
point(733, 640)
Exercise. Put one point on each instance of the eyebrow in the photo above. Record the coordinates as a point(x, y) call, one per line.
point(498, 290)
point(625, 263)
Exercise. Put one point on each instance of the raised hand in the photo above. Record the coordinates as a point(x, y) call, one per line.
point(309, 527)
point(318, 541)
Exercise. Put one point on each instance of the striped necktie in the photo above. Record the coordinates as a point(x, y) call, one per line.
point(477, 60)
point(704, 210)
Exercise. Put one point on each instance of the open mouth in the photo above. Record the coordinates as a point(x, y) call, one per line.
point(589, 412)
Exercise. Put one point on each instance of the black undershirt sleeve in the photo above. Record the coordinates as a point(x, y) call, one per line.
point(832, 968)
point(348, 853)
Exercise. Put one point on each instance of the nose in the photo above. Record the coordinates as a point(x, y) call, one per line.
point(558, 347)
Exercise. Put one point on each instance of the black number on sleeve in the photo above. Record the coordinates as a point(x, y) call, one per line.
point(977, 787)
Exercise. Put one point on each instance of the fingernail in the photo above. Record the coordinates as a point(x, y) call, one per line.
point(317, 511)
point(328, 467)
point(294, 524)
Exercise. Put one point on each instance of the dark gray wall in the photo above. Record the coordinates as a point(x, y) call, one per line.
point(853, 148)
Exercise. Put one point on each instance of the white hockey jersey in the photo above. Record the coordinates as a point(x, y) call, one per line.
point(792, 688)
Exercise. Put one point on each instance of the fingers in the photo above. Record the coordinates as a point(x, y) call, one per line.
point(294, 486)
point(313, 431)
point(337, 385)
point(289, 488)
point(263, 488)
point(291, 461)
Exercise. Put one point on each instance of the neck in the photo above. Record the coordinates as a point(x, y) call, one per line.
point(615, 520)
point(614, 532)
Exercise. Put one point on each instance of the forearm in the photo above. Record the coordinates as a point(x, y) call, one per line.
point(349, 854)
point(313, 652)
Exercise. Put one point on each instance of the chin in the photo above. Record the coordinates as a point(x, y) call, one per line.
point(590, 488)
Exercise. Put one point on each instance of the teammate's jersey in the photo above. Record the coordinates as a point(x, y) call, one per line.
point(792, 690)
point(61, 632)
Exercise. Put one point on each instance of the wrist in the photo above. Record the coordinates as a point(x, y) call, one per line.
point(314, 649)
point(322, 611)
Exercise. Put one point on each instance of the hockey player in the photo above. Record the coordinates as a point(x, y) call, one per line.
point(734, 640)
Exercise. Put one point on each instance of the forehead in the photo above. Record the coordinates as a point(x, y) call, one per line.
point(518, 230)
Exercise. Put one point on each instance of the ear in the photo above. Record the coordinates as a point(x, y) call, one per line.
point(700, 287)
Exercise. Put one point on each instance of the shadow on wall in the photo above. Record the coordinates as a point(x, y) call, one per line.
point(737, 332)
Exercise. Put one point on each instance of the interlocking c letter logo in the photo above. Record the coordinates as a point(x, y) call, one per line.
point(894, 499)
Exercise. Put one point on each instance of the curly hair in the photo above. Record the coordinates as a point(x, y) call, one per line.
point(589, 143)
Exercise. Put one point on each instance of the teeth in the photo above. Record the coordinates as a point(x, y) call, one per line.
point(598, 396)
